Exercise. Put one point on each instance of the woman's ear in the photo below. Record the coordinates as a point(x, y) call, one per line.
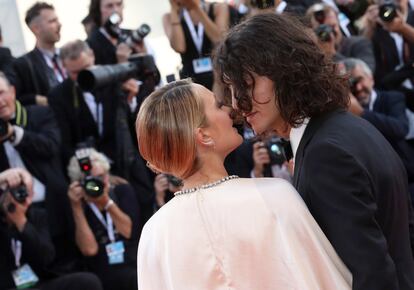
point(203, 138)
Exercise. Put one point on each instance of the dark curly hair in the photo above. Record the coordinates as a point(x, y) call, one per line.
point(306, 83)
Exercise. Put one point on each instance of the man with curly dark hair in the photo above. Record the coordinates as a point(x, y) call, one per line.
point(349, 176)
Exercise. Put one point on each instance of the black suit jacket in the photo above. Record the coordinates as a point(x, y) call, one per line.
point(355, 186)
point(39, 150)
point(77, 123)
point(6, 59)
point(104, 50)
point(389, 117)
point(37, 247)
point(29, 76)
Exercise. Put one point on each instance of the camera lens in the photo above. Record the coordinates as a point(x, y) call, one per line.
point(387, 12)
point(19, 193)
point(93, 186)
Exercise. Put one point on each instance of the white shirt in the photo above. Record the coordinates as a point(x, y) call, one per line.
point(399, 44)
point(372, 100)
point(95, 109)
point(48, 56)
point(295, 136)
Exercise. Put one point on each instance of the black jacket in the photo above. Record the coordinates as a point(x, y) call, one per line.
point(355, 186)
point(37, 247)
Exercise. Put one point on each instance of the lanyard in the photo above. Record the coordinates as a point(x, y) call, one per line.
point(197, 37)
point(16, 246)
point(108, 223)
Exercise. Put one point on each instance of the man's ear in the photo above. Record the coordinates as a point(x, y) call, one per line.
point(203, 138)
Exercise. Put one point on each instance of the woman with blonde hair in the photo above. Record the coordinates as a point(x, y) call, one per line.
point(220, 231)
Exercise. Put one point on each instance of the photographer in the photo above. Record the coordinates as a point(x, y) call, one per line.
point(193, 28)
point(390, 26)
point(325, 23)
point(82, 115)
point(386, 110)
point(165, 185)
point(30, 139)
point(110, 49)
point(106, 221)
point(25, 244)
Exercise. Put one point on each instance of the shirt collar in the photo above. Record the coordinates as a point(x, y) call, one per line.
point(48, 53)
point(296, 135)
point(372, 100)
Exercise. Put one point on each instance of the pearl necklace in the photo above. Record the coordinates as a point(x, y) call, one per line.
point(204, 186)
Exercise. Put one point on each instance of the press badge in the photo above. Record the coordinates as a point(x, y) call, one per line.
point(115, 252)
point(202, 65)
point(24, 277)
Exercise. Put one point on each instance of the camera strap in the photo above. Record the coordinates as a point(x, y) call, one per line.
point(16, 247)
point(198, 37)
point(21, 115)
point(108, 223)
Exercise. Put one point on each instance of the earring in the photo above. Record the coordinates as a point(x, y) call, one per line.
point(152, 168)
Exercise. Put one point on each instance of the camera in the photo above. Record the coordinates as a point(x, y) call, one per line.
point(174, 181)
point(324, 32)
point(19, 194)
point(139, 66)
point(353, 82)
point(388, 11)
point(93, 186)
point(276, 150)
point(4, 128)
point(135, 37)
point(262, 4)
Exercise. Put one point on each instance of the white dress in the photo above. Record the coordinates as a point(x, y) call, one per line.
point(252, 234)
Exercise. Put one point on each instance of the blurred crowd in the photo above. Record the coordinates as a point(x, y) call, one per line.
point(75, 192)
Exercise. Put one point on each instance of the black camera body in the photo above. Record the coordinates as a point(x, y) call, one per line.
point(93, 186)
point(139, 66)
point(19, 194)
point(276, 150)
point(4, 128)
point(174, 181)
point(262, 4)
point(135, 37)
point(388, 11)
point(324, 32)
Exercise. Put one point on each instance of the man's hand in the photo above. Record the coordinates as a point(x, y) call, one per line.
point(15, 177)
point(189, 4)
point(132, 87)
point(41, 100)
point(260, 158)
point(16, 216)
point(328, 47)
point(123, 51)
point(161, 185)
point(354, 106)
point(397, 25)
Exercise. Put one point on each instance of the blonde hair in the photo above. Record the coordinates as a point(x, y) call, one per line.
point(166, 126)
point(97, 159)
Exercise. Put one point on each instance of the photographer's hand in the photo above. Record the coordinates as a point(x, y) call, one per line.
point(17, 216)
point(132, 88)
point(41, 100)
point(354, 106)
point(260, 158)
point(76, 194)
point(370, 20)
point(161, 185)
point(123, 51)
point(16, 176)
